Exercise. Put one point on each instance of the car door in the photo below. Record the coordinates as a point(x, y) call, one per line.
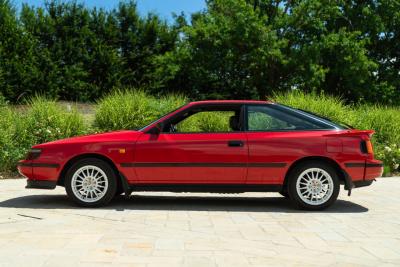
point(192, 158)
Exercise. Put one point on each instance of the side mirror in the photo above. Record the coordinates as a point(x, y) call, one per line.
point(157, 129)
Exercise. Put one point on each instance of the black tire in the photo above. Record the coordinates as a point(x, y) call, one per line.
point(284, 193)
point(119, 192)
point(295, 175)
point(110, 176)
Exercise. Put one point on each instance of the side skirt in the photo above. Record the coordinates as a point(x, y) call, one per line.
point(207, 188)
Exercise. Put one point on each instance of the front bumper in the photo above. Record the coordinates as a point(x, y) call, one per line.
point(40, 184)
point(40, 175)
point(39, 170)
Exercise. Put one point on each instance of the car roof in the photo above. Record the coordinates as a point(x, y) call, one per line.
point(216, 102)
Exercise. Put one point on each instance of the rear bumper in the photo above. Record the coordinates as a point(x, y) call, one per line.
point(41, 184)
point(373, 169)
point(360, 174)
point(364, 170)
point(362, 183)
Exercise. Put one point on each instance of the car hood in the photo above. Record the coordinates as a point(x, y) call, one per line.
point(117, 136)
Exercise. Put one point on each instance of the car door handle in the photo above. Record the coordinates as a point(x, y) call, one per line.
point(235, 143)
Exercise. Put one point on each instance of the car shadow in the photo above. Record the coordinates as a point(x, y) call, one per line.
point(181, 203)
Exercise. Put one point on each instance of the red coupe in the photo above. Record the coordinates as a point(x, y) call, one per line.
point(259, 146)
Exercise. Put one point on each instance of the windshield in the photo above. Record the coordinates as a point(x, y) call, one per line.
point(157, 120)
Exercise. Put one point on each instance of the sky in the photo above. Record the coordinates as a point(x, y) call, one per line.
point(162, 7)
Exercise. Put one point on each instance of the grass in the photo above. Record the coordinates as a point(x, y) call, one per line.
point(324, 105)
point(130, 109)
point(207, 122)
point(41, 120)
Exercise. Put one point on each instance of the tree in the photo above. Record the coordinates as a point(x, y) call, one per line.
point(141, 40)
point(232, 49)
point(227, 52)
point(346, 48)
point(18, 69)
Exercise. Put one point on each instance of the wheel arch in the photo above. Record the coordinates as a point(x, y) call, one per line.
point(342, 175)
point(75, 159)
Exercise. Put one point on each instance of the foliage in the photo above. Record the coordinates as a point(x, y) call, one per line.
point(3, 101)
point(69, 51)
point(320, 103)
point(391, 157)
point(47, 121)
point(384, 120)
point(42, 120)
point(131, 109)
point(227, 52)
point(211, 121)
point(8, 155)
point(232, 49)
point(247, 49)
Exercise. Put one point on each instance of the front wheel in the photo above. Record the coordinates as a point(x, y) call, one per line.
point(313, 185)
point(91, 183)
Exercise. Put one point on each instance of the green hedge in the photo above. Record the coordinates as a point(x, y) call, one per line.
point(43, 120)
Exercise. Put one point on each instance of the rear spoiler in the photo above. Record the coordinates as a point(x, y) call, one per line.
point(352, 133)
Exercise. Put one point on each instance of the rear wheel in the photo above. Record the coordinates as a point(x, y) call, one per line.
point(91, 183)
point(313, 185)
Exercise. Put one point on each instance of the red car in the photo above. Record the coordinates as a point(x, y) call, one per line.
point(259, 146)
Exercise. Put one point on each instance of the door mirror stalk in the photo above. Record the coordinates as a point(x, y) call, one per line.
point(157, 129)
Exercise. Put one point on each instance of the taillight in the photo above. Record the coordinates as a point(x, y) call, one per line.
point(366, 147)
point(370, 149)
point(34, 153)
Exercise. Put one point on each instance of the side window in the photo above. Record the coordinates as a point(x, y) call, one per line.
point(261, 121)
point(208, 122)
point(266, 118)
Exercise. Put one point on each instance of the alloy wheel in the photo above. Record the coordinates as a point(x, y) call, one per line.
point(89, 183)
point(314, 186)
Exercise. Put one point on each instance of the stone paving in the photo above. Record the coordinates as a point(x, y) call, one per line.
point(42, 228)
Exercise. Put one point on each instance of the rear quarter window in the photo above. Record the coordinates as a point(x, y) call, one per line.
point(273, 117)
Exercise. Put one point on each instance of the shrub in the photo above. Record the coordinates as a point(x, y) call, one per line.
point(384, 120)
point(47, 121)
point(321, 104)
point(391, 157)
point(3, 101)
point(43, 120)
point(132, 109)
point(207, 122)
point(8, 153)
